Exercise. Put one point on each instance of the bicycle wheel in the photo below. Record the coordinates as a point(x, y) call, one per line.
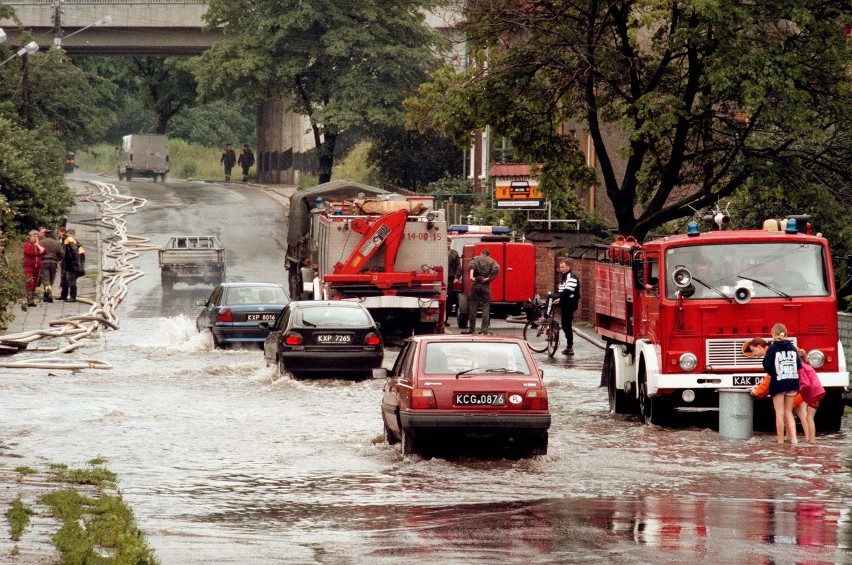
point(553, 338)
point(535, 334)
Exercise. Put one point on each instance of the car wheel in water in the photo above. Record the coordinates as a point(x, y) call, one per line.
point(539, 446)
point(389, 437)
point(408, 447)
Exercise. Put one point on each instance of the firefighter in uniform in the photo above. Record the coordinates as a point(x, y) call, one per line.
point(483, 270)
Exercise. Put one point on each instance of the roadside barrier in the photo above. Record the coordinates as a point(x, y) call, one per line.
point(112, 280)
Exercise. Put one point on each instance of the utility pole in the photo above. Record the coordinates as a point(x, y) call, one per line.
point(57, 23)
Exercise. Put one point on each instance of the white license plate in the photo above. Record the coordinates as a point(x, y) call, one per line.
point(334, 338)
point(260, 317)
point(747, 380)
point(480, 398)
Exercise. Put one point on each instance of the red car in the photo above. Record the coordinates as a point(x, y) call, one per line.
point(481, 389)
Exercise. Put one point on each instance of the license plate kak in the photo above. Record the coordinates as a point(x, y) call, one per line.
point(260, 317)
point(747, 380)
point(334, 338)
point(480, 399)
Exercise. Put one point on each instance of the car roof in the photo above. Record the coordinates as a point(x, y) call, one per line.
point(325, 303)
point(466, 338)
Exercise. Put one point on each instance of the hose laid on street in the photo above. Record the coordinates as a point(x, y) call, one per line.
point(113, 282)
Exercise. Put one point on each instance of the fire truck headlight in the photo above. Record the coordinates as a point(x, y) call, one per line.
point(688, 361)
point(816, 358)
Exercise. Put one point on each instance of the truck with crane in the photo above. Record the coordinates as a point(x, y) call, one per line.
point(675, 312)
point(349, 241)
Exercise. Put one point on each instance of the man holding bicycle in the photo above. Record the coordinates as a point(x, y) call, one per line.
point(569, 300)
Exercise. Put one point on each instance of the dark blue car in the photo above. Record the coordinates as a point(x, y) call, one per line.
point(234, 310)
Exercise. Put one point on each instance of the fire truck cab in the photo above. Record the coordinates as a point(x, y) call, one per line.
point(675, 312)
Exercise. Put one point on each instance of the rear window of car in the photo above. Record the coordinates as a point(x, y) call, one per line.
point(492, 357)
point(333, 317)
point(256, 295)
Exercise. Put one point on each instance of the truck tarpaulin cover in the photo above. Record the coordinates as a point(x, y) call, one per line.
point(380, 207)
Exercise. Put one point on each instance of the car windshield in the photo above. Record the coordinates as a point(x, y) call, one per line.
point(475, 358)
point(768, 270)
point(256, 295)
point(327, 316)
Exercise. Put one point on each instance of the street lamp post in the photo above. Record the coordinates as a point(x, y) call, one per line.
point(30, 47)
point(106, 20)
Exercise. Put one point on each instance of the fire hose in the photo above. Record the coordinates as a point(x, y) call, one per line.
point(113, 280)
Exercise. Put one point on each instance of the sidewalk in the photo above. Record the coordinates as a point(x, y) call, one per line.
point(88, 287)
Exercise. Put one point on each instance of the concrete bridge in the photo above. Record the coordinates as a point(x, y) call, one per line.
point(137, 27)
point(169, 27)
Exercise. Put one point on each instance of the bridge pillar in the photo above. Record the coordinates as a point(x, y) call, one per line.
point(283, 139)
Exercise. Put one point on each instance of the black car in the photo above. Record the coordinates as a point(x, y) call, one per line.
point(324, 338)
point(234, 310)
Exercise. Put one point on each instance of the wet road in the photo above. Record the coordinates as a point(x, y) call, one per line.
point(223, 462)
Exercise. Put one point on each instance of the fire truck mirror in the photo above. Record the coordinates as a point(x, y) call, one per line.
point(639, 274)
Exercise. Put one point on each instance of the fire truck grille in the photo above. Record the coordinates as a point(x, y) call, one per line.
point(728, 354)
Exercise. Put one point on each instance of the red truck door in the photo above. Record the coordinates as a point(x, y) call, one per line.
point(518, 268)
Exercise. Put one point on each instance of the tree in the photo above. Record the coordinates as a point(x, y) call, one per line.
point(707, 95)
point(345, 65)
point(411, 159)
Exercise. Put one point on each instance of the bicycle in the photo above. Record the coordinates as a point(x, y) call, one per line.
point(542, 332)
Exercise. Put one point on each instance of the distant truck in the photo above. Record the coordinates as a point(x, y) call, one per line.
point(192, 259)
point(143, 155)
point(514, 286)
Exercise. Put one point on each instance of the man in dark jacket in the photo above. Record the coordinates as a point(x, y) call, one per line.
point(72, 267)
point(53, 256)
point(569, 300)
point(483, 270)
point(228, 160)
point(245, 161)
point(454, 274)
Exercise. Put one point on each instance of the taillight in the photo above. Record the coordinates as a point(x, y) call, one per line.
point(293, 338)
point(535, 400)
point(423, 398)
point(373, 339)
point(225, 315)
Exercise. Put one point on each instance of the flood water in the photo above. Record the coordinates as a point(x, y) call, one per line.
point(223, 461)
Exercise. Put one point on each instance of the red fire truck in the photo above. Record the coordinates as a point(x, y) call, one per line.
point(675, 312)
point(516, 283)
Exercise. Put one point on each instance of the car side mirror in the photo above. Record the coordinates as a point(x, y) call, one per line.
point(201, 303)
point(541, 373)
point(380, 373)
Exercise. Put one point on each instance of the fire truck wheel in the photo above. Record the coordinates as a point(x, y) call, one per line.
point(463, 315)
point(618, 400)
point(830, 413)
point(653, 410)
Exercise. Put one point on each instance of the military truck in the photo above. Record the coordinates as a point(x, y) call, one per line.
point(143, 155)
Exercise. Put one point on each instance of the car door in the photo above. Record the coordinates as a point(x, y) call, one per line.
point(208, 315)
point(271, 344)
point(397, 391)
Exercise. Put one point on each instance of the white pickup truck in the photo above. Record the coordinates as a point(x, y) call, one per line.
point(192, 259)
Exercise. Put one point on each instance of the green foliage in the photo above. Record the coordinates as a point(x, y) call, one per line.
point(356, 165)
point(32, 185)
point(412, 160)
point(345, 65)
point(18, 516)
point(215, 123)
point(695, 98)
